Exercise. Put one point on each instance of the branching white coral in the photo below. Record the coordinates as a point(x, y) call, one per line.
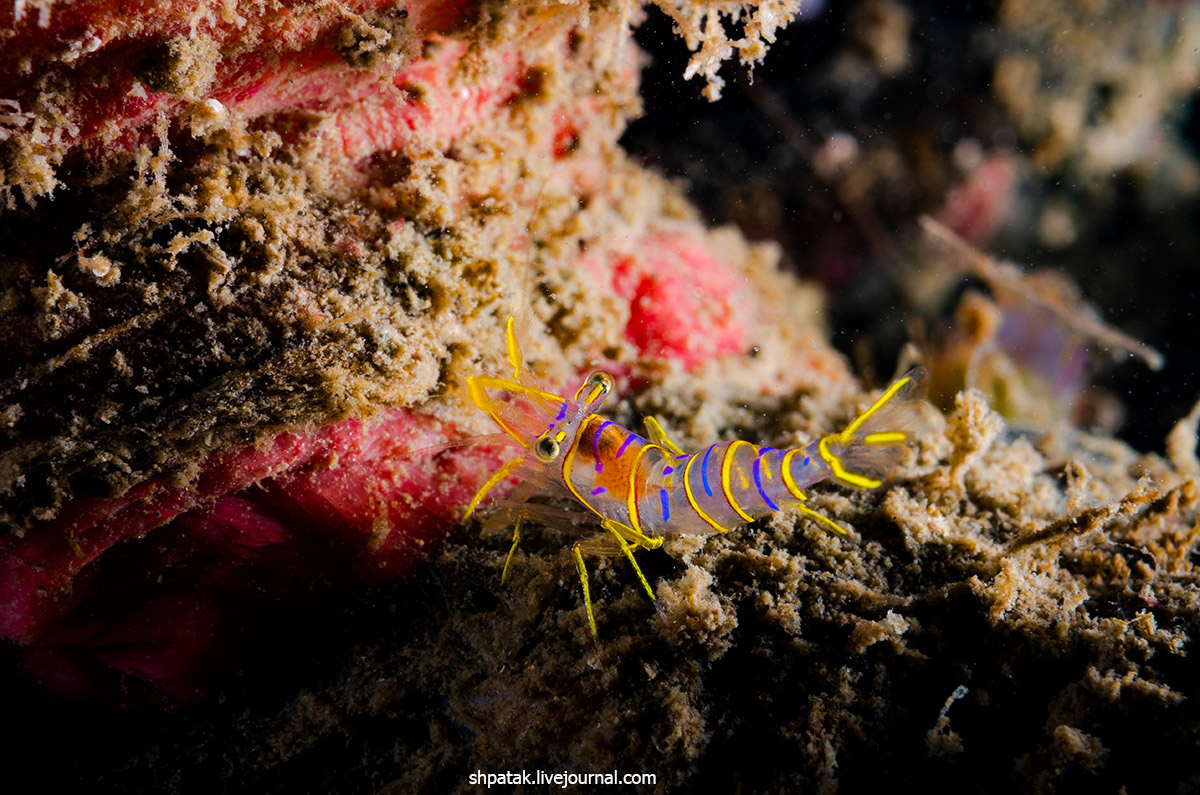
point(705, 28)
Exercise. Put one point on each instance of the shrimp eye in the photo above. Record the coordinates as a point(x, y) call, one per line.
point(546, 449)
point(602, 380)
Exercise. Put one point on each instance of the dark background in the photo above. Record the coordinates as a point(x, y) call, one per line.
point(1135, 258)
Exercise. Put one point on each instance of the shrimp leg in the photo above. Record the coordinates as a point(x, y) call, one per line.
point(616, 530)
point(619, 533)
point(500, 474)
point(587, 595)
point(659, 436)
point(508, 561)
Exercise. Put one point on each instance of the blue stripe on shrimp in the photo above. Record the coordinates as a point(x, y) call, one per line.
point(757, 470)
point(704, 470)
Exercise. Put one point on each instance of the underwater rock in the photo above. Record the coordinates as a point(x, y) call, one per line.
point(249, 260)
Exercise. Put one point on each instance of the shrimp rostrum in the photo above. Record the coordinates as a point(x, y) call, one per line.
point(642, 488)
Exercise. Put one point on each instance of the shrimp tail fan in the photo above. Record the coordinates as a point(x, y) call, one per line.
point(877, 440)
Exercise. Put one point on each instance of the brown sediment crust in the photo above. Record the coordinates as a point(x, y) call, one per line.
point(230, 279)
point(94, 77)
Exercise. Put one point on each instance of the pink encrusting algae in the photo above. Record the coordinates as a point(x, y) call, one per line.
point(293, 59)
point(677, 288)
point(341, 504)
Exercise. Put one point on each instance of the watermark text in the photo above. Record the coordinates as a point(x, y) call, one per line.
point(562, 779)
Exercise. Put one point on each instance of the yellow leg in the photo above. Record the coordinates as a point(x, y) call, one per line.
point(640, 539)
point(500, 475)
point(615, 529)
point(659, 436)
point(511, 552)
point(827, 522)
point(587, 595)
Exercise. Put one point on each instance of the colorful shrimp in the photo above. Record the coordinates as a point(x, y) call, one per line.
point(643, 488)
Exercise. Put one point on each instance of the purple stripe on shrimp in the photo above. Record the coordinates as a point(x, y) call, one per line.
point(628, 441)
point(756, 469)
point(598, 491)
point(596, 444)
point(562, 413)
point(666, 505)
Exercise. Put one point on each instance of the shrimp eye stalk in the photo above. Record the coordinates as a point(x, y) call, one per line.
point(595, 388)
point(602, 380)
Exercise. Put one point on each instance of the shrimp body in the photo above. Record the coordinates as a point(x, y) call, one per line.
point(642, 488)
point(628, 479)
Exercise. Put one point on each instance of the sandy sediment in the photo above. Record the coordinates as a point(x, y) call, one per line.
point(1011, 609)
